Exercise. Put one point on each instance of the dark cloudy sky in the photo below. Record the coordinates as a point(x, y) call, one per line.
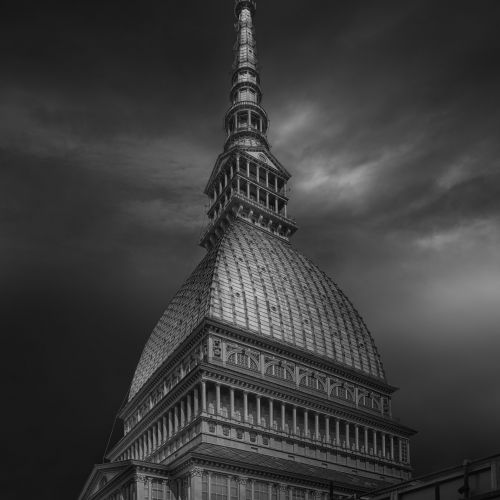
point(387, 114)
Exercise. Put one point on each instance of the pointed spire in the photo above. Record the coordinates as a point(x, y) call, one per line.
point(247, 181)
point(246, 122)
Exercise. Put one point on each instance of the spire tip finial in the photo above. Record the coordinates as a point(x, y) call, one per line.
point(251, 5)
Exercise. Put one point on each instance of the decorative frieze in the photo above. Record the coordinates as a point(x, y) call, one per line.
point(279, 369)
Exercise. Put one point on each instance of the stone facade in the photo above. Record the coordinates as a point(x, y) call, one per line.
point(261, 381)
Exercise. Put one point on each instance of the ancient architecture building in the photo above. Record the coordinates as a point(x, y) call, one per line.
point(260, 381)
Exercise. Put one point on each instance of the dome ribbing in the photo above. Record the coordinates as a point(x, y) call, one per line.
point(254, 281)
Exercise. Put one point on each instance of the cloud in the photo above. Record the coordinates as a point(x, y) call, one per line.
point(386, 116)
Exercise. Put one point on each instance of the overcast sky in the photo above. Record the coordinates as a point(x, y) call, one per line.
point(386, 113)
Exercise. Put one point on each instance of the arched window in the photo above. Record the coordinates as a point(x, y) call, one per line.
point(242, 359)
point(276, 370)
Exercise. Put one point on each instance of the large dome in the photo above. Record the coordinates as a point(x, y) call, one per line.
point(259, 283)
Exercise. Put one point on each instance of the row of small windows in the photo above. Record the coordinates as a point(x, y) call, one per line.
point(220, 487)
point(158, 394)
point(244, 75)
point(283, 371)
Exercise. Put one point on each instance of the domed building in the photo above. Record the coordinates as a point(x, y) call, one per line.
point(260, 381)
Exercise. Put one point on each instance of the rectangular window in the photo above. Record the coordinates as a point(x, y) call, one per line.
point(404, 451)
point(218, 488)
point(260, 491)
point(156, 490)
point(204, 487)
point(234, 489)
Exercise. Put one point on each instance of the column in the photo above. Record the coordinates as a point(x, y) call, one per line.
point(327, 429)
point(245, 406)
point(237, 163)
point(391, 440)
point(267, 178)
point(356, 436)
point(203, 396)
point(164, 490)
point(242, 483)
point(284, 492)
point(153, 437)
point(306, 423)
point(170, 426)
point(383, 444)
point(374, 442)
point(248, 190)
point(271, 413)
point(183, 414)
point(267, 199)
point(188, 407)
point(283, 417)
point(316, 426)
point(276, 183)
point(195, 401)
point(248, 168)
point(217, 399)
point(231, 405)
point(238, 184)
point(337, 432)
point(347, 437)
point(294, 420)
point(150, 443)
point(258, 194)
point(258, 409)
point(139, 488)
point(366, 439)
point(176, 418)
point(257, 170)
point(165, 435)
point(249, 118)
point(195, 483)
point(400, 457)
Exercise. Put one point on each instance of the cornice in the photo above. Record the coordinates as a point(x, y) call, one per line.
point(301, 355)
point(169, 400)
point(178, 355)
point(264, 387)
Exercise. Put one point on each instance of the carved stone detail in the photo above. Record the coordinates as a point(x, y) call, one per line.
point(197, 472)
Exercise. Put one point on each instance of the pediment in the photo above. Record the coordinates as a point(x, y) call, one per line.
point(100, 476)
point(266, 157)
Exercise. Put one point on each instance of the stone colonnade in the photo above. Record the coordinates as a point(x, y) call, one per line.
point(276, 416)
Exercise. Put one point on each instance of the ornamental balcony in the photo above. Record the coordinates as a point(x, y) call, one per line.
point(245, 104)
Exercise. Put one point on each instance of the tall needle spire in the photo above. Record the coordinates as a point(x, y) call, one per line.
point(246, 122)
point(247, 181)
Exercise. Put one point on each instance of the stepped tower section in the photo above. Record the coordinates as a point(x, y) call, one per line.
point(260, 381)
